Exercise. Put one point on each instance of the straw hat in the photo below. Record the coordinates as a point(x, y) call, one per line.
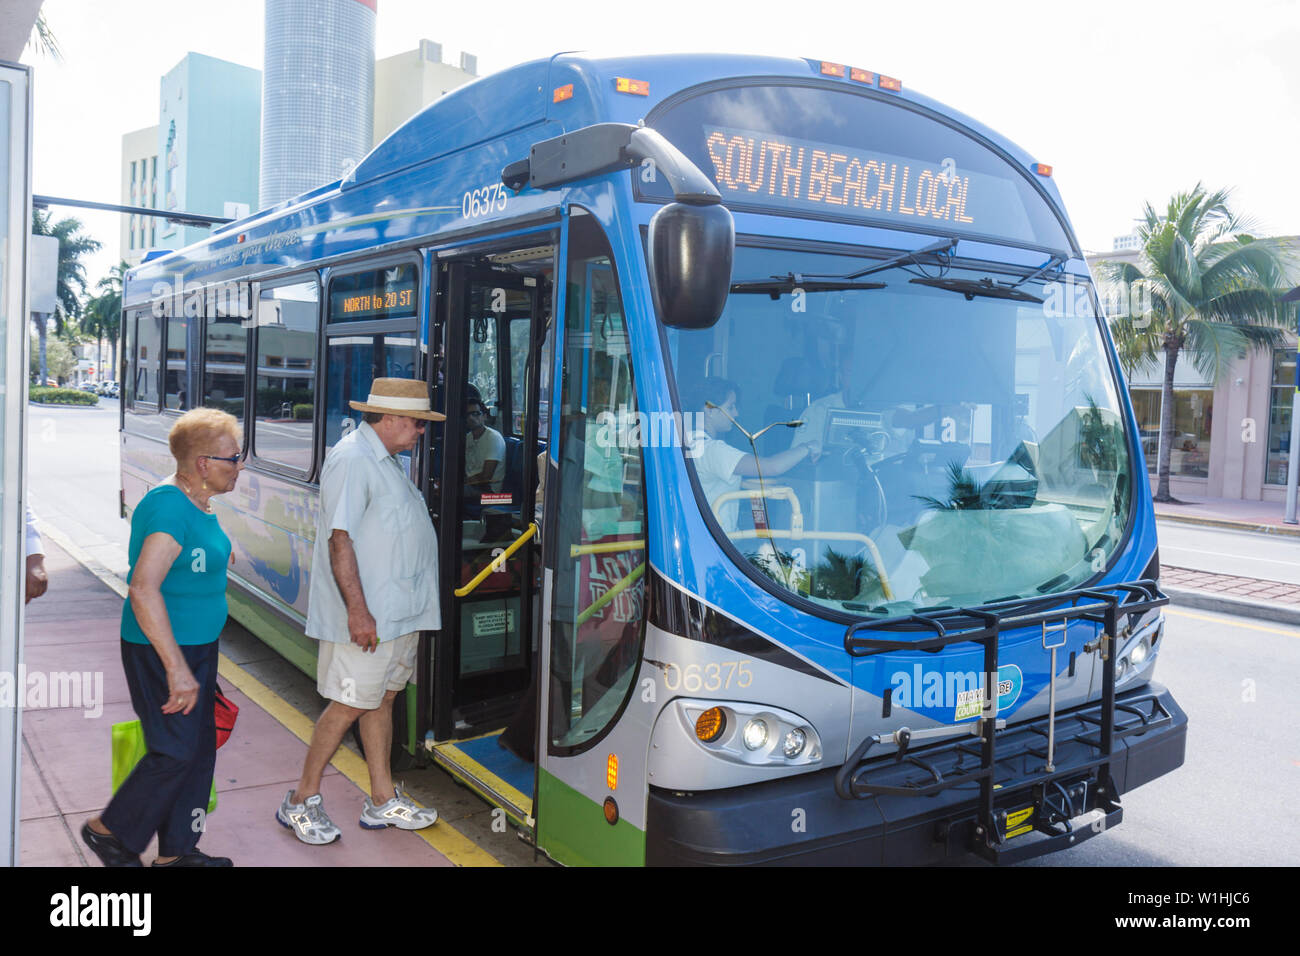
point(399, 396)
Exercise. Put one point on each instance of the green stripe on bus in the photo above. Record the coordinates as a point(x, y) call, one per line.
point(571, 828)
point(287, 641)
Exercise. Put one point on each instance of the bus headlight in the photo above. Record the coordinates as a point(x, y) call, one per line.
point(749, 733)
point(793, 744)
point(1139, 653)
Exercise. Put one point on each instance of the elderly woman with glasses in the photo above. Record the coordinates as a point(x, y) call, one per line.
point(175, 611)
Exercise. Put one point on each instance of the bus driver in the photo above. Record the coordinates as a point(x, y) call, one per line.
point(374, 587)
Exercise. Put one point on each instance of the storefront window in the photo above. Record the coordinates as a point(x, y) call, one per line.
point(1146, 409)
point(1279, 417)
point(1189, 455)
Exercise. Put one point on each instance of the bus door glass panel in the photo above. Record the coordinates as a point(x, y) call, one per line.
point(286, 374)
point(495, 506)
point(598, 604)
point(225, 354)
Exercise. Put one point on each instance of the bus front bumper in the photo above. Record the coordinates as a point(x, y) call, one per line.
point(801, 820)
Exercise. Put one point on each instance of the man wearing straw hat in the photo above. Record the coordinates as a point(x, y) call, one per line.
point(374, 587)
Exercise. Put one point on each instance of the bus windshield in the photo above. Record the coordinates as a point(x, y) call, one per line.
point(951, 449)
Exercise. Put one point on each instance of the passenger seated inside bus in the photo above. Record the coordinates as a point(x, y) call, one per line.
point(721, 466)
point(485, 450)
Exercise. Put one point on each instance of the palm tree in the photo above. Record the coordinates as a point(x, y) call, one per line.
point(43, 38)
point(71, 281)
point(107, 308)
point(1212, 289)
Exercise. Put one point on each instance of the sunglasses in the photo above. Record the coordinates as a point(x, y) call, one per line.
point(233, 459)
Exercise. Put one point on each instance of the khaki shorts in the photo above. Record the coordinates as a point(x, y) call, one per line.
point(349, 675)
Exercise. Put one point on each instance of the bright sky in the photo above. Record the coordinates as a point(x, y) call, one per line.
point(1128, 100)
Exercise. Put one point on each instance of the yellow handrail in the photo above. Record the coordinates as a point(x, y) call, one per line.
point(498, 563)
point(609, 595)
point(606, 547)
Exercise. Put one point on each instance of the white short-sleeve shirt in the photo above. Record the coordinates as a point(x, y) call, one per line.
point(365, 491)
point(715, 463)
point(489, 446)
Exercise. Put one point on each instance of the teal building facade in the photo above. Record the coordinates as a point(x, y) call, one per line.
point(208, 143)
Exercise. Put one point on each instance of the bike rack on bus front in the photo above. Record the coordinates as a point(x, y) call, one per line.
point(983, 626)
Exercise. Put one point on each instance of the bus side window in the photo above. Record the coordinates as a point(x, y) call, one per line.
point(146, 360)
point(285, 405)
point(598, 621)
point(225, 377)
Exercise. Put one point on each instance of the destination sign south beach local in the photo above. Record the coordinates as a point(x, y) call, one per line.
point(796, 174)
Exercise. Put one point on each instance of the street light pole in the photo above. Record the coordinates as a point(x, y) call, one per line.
point(1293, 453)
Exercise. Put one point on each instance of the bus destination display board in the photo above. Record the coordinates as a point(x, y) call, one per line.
point(769, 170)
point(380, 294)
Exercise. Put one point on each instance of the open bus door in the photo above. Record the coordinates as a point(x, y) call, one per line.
point(492, 323)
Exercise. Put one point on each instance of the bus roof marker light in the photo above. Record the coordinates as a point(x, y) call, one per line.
point(1042, 169)
point(562, 93)
point(889, 83)
point(832, 69)
point(637, 87)
point(861, 76)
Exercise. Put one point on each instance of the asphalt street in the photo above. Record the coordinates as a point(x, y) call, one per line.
point(1243, 553)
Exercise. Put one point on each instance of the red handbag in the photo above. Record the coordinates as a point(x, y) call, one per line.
point(226, 711)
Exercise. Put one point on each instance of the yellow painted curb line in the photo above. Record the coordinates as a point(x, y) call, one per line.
point(442, 836)
point(1178, 612)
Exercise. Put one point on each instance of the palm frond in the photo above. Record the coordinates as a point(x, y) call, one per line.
point(43, 39)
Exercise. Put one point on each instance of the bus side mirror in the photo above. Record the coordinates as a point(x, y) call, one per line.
point(690, 263)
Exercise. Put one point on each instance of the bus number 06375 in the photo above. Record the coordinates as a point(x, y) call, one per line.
point(692, 679)
point(483, 201)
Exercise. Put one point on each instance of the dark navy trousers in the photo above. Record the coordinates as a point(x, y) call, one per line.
point(174, 778)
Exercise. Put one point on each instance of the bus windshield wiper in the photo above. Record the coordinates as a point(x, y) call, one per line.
point(982, 287)
point(776, 286)
point(942, 248)
point(990, 289)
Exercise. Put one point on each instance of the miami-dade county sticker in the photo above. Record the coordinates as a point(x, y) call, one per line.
point(971, 702)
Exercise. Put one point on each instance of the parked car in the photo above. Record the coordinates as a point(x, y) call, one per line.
point(88, 387)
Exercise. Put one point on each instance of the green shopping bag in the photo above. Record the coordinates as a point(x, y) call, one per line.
point(129, 749)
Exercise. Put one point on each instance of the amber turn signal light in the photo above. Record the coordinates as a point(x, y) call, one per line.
point(710, 724)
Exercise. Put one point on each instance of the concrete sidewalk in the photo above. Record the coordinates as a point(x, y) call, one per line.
point(1263, 517)
point(1229, 594)
point(66, 762)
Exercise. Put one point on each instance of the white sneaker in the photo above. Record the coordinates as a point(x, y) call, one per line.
point(308, 820)
point(401, 812)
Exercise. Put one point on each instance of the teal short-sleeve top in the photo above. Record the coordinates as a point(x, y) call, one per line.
point(194, 590)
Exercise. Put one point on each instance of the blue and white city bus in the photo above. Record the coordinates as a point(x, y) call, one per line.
point(822, 532)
